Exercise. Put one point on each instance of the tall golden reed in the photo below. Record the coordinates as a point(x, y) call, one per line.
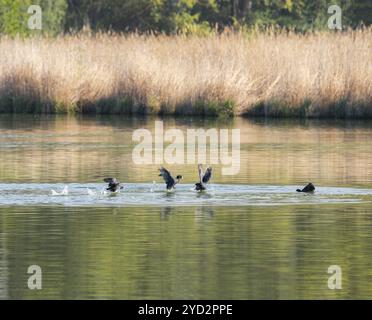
point(285, 74)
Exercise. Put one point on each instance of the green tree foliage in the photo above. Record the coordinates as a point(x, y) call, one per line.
point(14, 16)
point(173, 16)
point(114, 14)
point(168, 16)
point(361, 12)
point(54, 15)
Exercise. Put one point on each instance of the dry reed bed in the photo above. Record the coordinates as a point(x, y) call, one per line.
point(315, 75)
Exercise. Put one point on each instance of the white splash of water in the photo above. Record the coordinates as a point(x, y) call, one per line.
point(64, 192)
point(153, 186)
point(91, 192)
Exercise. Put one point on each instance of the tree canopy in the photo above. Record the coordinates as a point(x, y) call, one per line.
point(178, 16)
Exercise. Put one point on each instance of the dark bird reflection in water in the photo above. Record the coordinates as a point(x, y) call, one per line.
point(203, 212)
point(165, 213)
point(200, 213)
point(203, 195)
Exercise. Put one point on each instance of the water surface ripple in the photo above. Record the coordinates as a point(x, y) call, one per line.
point(142, 194)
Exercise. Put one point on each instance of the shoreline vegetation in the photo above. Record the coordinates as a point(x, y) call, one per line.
point(270, 74)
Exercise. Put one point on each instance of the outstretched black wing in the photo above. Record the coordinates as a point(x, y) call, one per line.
point(207, 176)
point(167, 178)
point(110, 180)
point(200, 170)
point(309, 188)
point(113, 184)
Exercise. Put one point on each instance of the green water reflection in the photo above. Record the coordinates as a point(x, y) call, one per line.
point(176, 253)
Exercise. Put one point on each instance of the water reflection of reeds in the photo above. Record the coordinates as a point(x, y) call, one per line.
point(68, 149)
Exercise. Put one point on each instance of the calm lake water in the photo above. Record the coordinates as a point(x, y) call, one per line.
point(251, 236)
